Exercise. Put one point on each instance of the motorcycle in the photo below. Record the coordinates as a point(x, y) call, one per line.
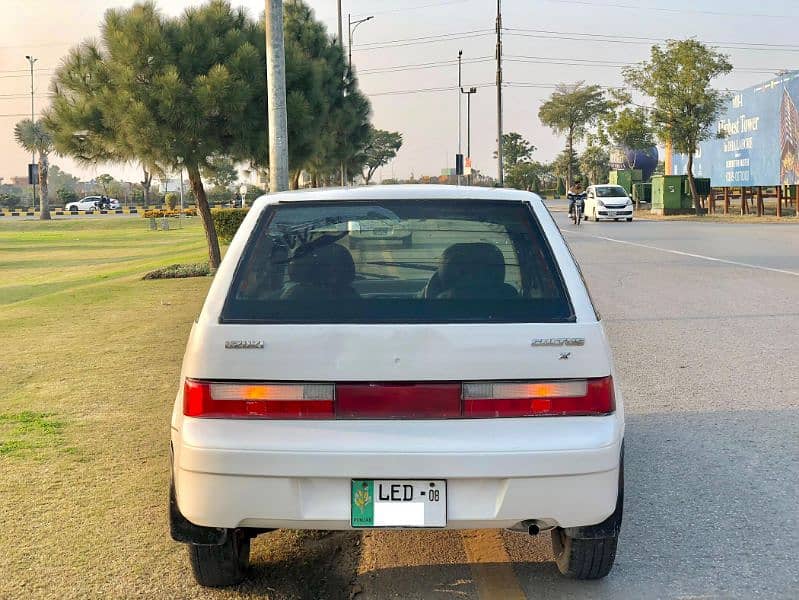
point(578, 209)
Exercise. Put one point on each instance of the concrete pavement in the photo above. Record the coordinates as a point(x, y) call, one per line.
point(707, 353)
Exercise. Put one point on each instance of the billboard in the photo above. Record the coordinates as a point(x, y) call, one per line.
point(760, 143)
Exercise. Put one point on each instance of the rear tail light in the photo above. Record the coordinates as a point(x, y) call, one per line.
point(398, 401)
point(258, 401)
point(471, 400)
point(538, 398)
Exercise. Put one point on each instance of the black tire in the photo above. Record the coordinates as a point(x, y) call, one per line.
point(407, 242)
point(221, 566)
point(583, 558)
point(629, 219)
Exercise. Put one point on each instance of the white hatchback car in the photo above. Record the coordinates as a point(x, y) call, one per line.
point(464, 382)
point(608, 202)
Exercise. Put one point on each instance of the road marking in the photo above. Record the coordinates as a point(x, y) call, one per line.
point(680, 253)
point(491, 566)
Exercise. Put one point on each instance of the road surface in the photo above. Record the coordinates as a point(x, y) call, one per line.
point(704, 322)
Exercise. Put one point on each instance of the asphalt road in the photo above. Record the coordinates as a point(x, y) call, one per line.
point(704, 323)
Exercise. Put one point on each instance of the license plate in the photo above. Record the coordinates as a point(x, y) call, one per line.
point(398, 503)
point(611, 213)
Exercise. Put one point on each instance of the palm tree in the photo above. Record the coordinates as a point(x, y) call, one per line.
point(34, 137)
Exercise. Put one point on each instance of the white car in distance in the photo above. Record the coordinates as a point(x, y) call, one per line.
point(465, 382)
point(608, 201)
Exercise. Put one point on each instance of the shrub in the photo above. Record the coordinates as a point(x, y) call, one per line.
point(227, 221)
point(179, 271)
point(171, 200)
point(157, 213)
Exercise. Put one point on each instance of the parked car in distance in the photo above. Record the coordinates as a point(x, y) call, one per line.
point(93, 203)
point(464, 384)
point(608, 202)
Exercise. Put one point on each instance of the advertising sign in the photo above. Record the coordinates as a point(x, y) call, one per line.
point(760, 138)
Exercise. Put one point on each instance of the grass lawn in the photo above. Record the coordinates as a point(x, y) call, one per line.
point(88, 373)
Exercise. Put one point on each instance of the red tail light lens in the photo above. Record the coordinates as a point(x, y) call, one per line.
point(471, 400)
point(539, 398)
point(398, 401)
point(257, 401)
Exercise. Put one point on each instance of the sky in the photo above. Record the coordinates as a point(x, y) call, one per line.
point(393, 51)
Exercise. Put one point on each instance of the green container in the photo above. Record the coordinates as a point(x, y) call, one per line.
point(626, 178)
point(642, 192)
point(667, 192)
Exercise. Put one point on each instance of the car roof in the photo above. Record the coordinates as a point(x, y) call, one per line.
point(399, 192)
point(606, 185)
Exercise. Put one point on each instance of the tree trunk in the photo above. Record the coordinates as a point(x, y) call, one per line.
point(44, 202)
point(145, 184)
point(569, 155)
point(196, 182)
point(294, 182)
point(692, 184)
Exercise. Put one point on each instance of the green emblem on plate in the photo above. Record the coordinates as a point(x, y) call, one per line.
point(363, 503)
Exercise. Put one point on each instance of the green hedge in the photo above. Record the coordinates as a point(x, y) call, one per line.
point(227, 221)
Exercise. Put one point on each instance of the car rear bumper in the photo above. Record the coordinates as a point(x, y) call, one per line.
point(618, 213)
point(283, 475)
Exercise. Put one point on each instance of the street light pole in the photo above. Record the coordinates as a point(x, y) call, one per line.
point(32, 60)
point(351, 27)
point(460, 119)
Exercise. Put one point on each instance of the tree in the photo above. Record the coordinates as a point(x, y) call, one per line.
point(677, 77)
point(572, 110)
point(630, 129)
point(105, 180)
point(515, 150)
point(527, 176)
point(36, 137)
point(159, 88)
point(221, 171)
point(60, 180)
point(66, 194)
point(567, 165)
point(381, 148)
point(595, 164)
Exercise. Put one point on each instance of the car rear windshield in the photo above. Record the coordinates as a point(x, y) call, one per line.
point(611, 192)
point(397, 261)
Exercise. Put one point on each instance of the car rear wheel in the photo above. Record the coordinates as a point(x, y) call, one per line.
point(220, 566)
point(583, 558)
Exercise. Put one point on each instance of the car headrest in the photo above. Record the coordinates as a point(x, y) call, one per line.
point(330, 265)
point(471, 265)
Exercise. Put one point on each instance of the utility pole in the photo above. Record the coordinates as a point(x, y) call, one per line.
point(276, 98)
point(32, 60)
point(500, 175)
point(341, 45)
point(460, 119)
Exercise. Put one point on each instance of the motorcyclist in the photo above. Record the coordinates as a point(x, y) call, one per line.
point(575, 193)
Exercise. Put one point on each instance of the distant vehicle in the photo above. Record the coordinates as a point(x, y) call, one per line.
point(467, 384)
point(379, 226)
point(93, 203)
point(608, 202)
point(87, 203)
